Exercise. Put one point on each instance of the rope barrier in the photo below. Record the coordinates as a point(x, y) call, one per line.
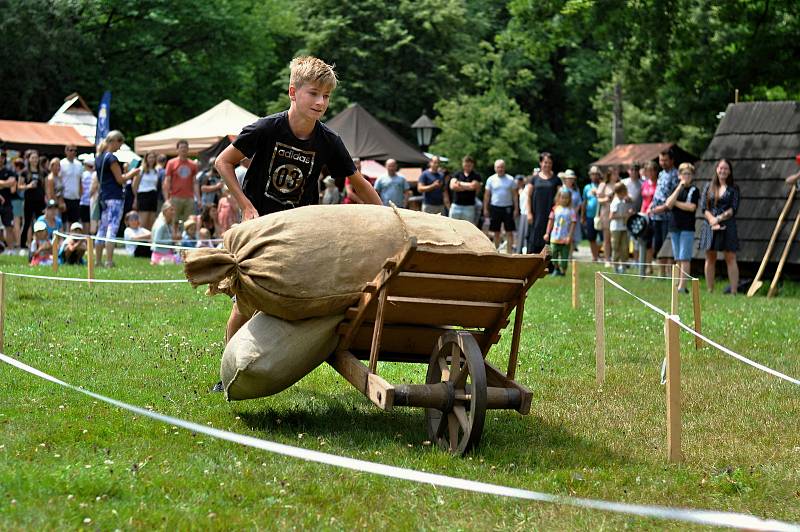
point(703, 517)
point(617, 263)
point(123, 241)
point(711, 342)
point(84, 280)
point(638, 276)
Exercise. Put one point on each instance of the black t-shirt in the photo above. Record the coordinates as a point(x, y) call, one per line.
point(544, 195)
point(466, 197)
point(5, 173)
point(684, 220)
point(34, 196)
point(284, 172)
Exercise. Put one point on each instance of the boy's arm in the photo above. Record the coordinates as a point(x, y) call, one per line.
point(674, 196)
point(549, 229)
point(226, 163)
point(363, 189)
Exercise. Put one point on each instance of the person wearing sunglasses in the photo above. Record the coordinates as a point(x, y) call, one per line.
point(71, 173)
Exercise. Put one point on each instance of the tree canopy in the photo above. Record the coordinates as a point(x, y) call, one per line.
point(505, 78)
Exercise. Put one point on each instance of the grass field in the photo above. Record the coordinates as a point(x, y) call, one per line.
point(67, 461)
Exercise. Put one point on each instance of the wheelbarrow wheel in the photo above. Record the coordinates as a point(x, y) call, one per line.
point(458, 362)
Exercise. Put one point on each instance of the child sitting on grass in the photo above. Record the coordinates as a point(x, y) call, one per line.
point(135, 232)
point(560, 231)
point(41, 248)
point(73, 249)
point(162, 234)
point(189, 235)
point(204, 239)
point(621, 210)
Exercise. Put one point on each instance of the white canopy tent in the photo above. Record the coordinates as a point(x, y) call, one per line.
point(202, 131)
point(74, 112)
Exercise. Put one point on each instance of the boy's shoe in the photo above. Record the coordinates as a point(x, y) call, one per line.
point(218, 387)
point(683, 290)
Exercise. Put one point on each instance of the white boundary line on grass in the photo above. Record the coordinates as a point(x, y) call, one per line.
point(704, 517)
point(688, 329)
point(122, 241)
point(85, 280)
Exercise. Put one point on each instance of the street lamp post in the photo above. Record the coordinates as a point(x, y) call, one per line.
point(424, 127)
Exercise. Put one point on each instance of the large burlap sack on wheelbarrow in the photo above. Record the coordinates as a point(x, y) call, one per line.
point(314, 261)
point(268, 354)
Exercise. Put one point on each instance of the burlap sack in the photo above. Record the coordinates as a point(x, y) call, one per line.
point(268, 354)
point(315, 261)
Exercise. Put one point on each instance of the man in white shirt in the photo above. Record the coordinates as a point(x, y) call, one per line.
point(71, 173)
point(501, 204)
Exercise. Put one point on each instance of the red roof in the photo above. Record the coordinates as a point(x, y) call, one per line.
point(20, 135)
point(630, 153)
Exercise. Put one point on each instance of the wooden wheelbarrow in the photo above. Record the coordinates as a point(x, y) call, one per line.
point(445, 310)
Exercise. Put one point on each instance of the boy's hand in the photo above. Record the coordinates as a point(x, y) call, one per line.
point(547, 238)
point(249, 213)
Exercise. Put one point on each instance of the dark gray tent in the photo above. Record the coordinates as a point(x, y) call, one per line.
point(366, 137)
point(761, 140)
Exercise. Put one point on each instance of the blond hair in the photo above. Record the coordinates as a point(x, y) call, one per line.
point(686, 167)
point(308, 69)
point(112, 135)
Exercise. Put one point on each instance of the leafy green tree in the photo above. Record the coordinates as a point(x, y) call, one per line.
point(488, 126)
point(163, 61)
point(394, 57)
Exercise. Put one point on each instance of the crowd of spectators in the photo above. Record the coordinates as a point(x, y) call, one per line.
point(152, 203)
point(625, 213)
point(166, 203)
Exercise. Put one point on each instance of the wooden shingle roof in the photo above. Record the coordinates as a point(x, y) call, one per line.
point(761, 141)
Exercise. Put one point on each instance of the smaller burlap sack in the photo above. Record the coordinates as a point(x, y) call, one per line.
point(316, 260)
point(268, 354)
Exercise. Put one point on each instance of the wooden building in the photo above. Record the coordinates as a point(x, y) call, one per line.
point(627, 154)
point(761, 141)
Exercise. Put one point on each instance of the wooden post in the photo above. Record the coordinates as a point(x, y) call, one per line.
point(574, 283)
point(55, 254)
point(90, 262)
point(698, 343)
point(600, 333)
point(676, 272)
point(672, 341)
point(2, 310)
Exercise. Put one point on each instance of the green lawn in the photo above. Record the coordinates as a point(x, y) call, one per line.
point(67, 461)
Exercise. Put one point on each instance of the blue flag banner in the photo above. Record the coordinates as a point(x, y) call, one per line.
point(103, 118)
